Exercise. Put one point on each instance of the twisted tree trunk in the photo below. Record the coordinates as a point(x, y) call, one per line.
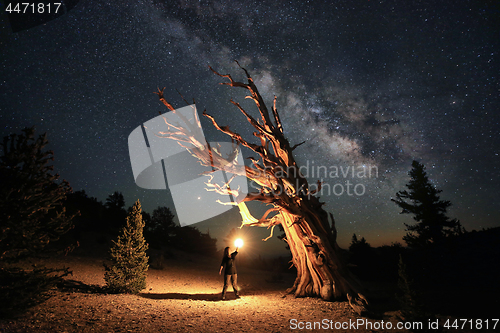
point(321, 272)
point(320, 269)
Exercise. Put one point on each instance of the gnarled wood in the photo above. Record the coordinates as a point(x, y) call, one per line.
point(310, 234)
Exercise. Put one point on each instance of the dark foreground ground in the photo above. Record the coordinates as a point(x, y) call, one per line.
point(184, 296)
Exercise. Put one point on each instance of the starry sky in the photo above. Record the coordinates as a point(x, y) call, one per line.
point(367, 84)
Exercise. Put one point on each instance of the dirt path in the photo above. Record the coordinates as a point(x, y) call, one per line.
point(181, 298)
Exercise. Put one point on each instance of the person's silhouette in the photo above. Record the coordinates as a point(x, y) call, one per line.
point(229, 272)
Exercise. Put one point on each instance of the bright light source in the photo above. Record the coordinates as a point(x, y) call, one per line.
point(238, 243)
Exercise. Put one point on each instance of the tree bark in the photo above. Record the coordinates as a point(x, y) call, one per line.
point(321, 270)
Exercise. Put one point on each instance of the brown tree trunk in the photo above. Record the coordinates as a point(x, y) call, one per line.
point(321, 272)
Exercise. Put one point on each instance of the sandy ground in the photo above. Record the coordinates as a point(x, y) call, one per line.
point(185, 296)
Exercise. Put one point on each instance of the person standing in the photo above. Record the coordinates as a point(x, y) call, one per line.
point(229, 266)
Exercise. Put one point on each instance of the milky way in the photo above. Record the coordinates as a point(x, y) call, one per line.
point(363, 83)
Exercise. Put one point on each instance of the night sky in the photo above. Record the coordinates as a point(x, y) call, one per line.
point(365, 83)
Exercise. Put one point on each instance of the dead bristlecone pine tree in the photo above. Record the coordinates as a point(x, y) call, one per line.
point(310, 231)
point(128, 271)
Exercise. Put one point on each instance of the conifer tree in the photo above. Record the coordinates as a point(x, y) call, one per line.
point(128, 254)
point(161, 228)
point(422, 200)
point(115, 213)
point(32, 215)
point(32, 212)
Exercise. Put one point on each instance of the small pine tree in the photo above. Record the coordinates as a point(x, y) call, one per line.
point(128, 254)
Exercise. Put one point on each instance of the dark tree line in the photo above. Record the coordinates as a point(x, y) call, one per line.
point(160, 231)
point(444, 269)
point(107, 218)
point(39, 214)
point(96, 215)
